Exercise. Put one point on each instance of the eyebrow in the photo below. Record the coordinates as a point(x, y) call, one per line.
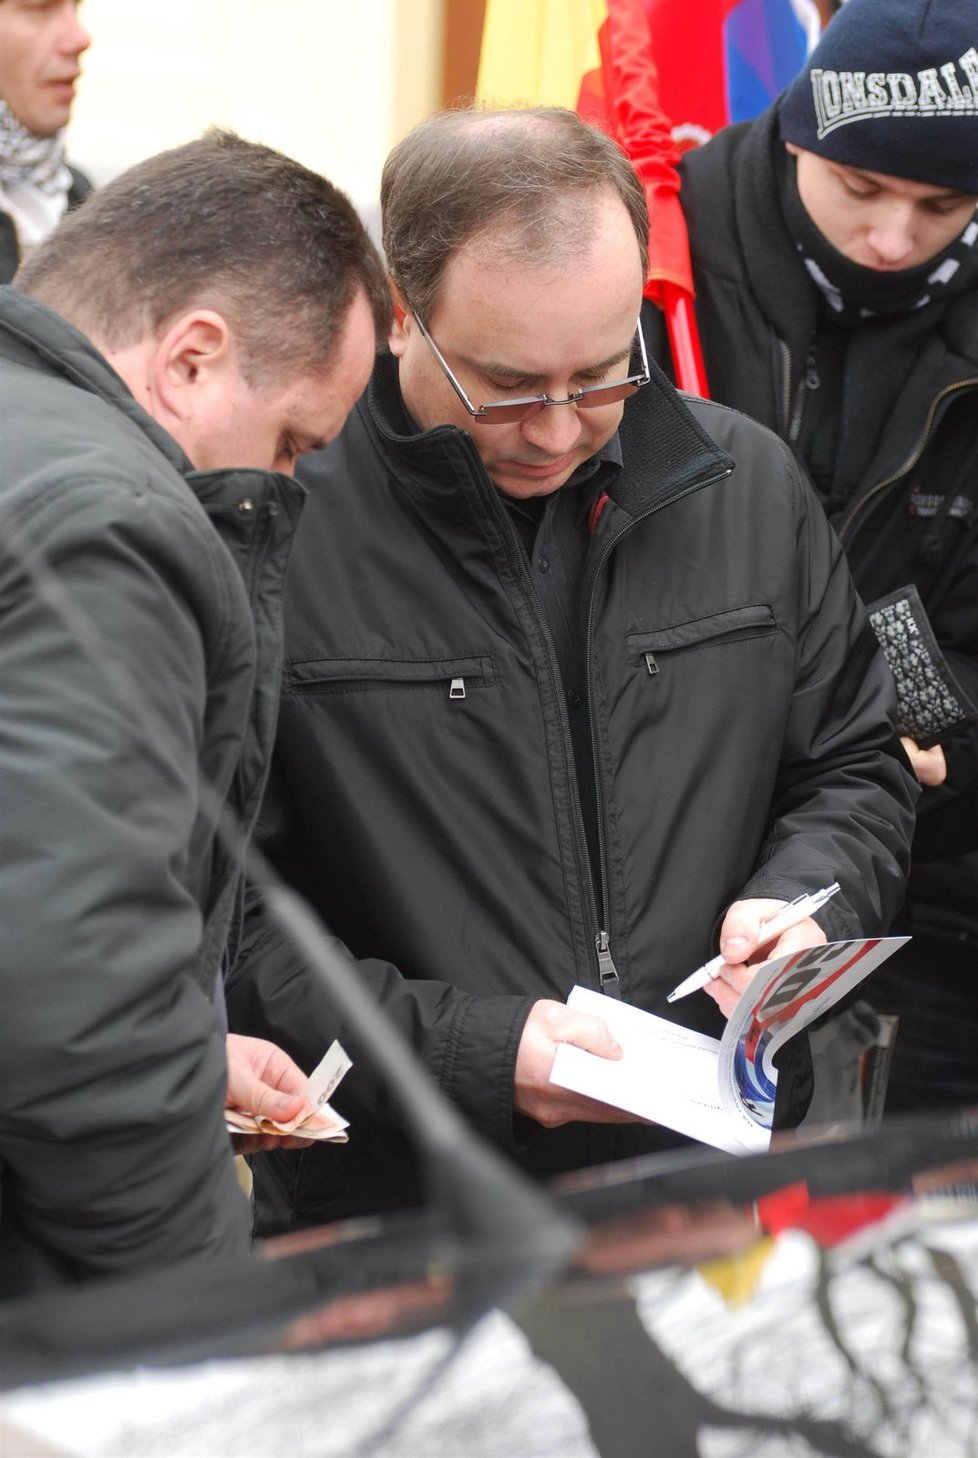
point(507, 372)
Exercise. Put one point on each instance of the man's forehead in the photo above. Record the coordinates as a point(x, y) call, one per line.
point(511, 315)
point(599, 235)
point(573, 221)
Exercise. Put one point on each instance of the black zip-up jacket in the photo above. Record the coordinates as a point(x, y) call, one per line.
point(914, 517)
point(423, 792)
point(129, 655)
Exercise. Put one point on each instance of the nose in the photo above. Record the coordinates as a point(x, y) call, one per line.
point(74, 37)
point(555, 429)
point(891, 234)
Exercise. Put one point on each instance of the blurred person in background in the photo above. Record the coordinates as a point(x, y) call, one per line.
point(41, 46)
point(161, 370)
point(835, 258)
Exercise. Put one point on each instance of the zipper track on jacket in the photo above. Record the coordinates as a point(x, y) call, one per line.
point(600, 931)
point(577, 815)
point(911, 460)
point(909, 463)
point(265, 514)
point(588, 633)
point(786, 391)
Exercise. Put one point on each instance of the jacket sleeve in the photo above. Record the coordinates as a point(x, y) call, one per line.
point(844, 803)
point(468, 1044)
point(948, 814)
point(112, 1075)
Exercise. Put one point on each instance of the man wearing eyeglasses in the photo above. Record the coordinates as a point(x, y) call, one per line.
point(576, 677)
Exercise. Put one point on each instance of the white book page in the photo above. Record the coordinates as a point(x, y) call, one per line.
point(667, 1074)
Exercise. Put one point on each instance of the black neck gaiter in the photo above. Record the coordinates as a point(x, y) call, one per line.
point(854, 293)
point(886, 319)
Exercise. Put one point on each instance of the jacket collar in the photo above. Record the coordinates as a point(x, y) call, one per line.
point(32, 333)
point(64, 350)
point(665, 453)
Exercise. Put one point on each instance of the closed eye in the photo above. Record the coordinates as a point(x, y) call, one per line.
point(945, 206)
point(861, 192)
point(527, 386)
point(605, 372)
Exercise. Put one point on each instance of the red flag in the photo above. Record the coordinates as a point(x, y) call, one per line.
point(672, 73)
point(689, 51)
point(625, 100)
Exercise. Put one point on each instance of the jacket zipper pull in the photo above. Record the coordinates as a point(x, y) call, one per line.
point(607, 971)
point(809, 381)
point(457, 690)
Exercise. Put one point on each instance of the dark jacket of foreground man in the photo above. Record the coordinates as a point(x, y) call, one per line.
point(424, 794)
point(128, 657)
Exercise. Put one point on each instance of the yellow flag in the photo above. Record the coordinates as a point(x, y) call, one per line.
point(736, 1276)
point(536, 51)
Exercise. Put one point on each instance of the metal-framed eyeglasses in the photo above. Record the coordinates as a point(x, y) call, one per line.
point(505, 412)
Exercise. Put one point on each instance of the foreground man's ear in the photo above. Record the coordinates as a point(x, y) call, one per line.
point(190, 361)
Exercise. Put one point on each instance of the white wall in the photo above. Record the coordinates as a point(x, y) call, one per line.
point(332, 82)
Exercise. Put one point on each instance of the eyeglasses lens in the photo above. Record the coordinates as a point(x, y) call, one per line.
point(508, 411)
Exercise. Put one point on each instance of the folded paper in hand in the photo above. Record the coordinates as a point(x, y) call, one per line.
point(720, 1091)
point(325, 1124)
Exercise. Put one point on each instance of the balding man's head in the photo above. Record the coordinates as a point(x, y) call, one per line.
point(516, 181)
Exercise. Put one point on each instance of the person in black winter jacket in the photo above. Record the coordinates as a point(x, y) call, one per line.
point(155, 388)
point(40, 60)
point(576, 678)
point(835, 258)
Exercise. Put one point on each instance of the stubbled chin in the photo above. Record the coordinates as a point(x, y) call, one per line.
point(522, 486)
point(524, 490)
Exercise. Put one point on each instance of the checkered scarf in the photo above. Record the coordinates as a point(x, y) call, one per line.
point(27, 160)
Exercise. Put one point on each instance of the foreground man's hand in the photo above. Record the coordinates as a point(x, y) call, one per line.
point(263, 1080)
point(929, 765)
point(739, 946)
point(551, 1023)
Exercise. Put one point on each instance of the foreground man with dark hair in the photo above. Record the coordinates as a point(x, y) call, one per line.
point(152, 414)
point(576, 674)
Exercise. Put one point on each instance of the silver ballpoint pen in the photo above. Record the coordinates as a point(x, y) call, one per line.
point(771, 927)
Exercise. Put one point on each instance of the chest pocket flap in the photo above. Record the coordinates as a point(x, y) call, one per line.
point(325, 675)
point(730, 626)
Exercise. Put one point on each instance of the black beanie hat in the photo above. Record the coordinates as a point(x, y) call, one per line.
point(892, 87)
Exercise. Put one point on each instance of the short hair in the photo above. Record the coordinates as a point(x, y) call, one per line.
point(514, 177)
point(219, 223)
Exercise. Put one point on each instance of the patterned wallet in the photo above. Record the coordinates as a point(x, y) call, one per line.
point(931, 704)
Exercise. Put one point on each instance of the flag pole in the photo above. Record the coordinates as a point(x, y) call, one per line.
point(636, 119)
point(684, 339)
